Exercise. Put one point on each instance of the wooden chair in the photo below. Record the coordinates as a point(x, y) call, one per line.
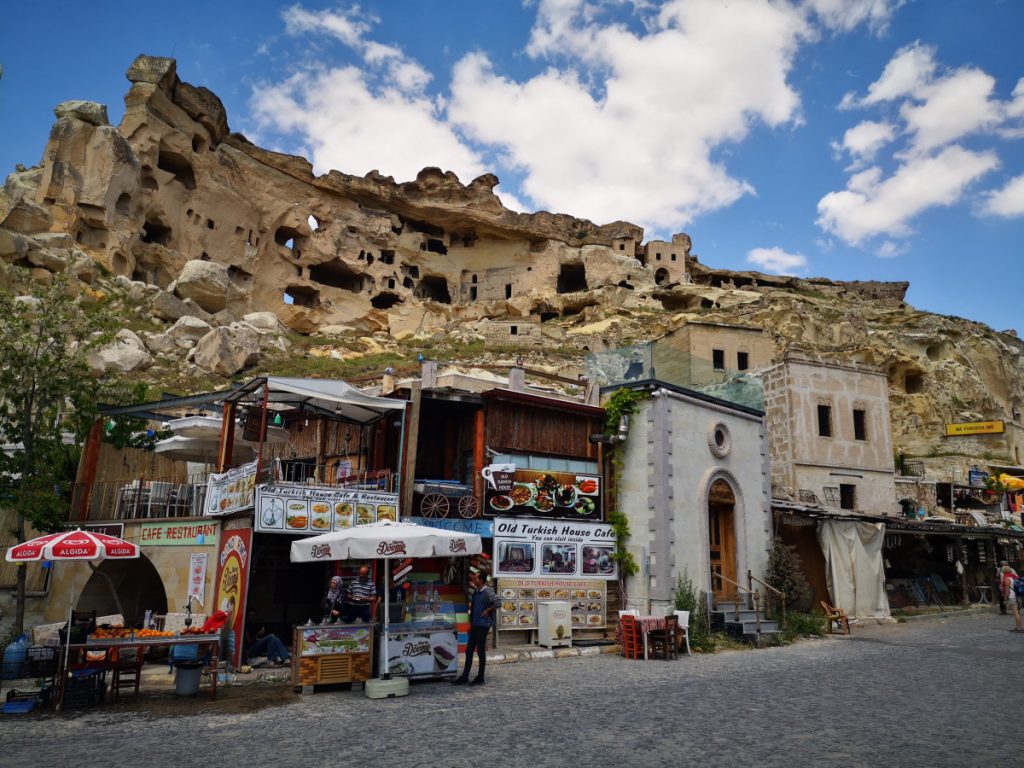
point(127, 670)
point(632, 642)
point(837, 615)
point(663, 642)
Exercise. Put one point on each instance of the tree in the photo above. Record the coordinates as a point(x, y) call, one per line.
point(786, 574)
point(47, 401)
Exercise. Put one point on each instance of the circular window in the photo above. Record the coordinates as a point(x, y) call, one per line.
point(719, 439)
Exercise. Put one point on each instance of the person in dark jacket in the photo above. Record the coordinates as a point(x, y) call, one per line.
point(483, 606)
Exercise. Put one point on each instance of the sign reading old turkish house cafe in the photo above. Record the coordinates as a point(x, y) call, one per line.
point(554, 549)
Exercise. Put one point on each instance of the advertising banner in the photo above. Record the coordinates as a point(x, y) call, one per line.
point(554, 549)
point(566, 495)
point(483, 528)
point(337, 638)
point(314, 510)
point(197, 576)
point(231, 491)
point(519, 597)
point(233, 582)
point(425, 649)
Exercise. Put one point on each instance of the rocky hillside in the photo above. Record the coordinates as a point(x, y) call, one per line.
point(225, 259)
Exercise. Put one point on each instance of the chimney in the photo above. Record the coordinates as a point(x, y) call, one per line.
point(429, 375)
point(517, 379)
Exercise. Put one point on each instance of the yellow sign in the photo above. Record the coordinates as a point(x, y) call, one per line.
point(974, 428)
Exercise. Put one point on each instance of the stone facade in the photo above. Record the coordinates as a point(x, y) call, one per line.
point(698, 354)
point(829, 435)
point(670, 461)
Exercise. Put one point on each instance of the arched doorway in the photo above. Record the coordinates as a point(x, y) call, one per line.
point(661, 276)
point(139, 588)
point(722, 539)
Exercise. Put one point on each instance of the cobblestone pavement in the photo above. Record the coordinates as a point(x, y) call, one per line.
point(941, 692)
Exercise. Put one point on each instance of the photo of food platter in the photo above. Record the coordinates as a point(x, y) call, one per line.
point(286, 509)
point(547, 494)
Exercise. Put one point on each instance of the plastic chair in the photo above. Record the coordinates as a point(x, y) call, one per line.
point(663, 642)
point(683, 631)
point(632, 642)
point(837, 615)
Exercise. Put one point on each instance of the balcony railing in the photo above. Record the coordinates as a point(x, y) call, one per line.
point(144, 497)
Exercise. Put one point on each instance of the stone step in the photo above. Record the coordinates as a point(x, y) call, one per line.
point(749, 628)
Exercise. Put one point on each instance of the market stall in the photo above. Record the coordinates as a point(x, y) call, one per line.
point(385, 540)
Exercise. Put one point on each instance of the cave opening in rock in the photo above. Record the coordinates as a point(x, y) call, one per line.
point(336, 274)
point(385, 300)
point(302, 296)
point(436, 246)
point(155, 232)
point(424, 228)
point(545, 316)
point(572, 278)
point(387, 257)
point(239, 276)
point(175, 164)
point(433, 288)
point(624, 284)
point(198, 143)
point(91, 237)
point(147, 180)
point(913, 383)
point(123, 206)
point(661, 277)
point(409, 283)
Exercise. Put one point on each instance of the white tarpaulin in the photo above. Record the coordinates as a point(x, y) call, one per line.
point(387, 540)
point(853, 567)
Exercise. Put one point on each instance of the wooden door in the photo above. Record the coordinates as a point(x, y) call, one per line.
point(722, 539)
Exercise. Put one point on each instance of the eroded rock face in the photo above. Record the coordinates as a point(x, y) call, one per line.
point(125, 354)
point(228, 350)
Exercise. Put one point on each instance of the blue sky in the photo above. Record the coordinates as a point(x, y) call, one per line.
point(849, 139)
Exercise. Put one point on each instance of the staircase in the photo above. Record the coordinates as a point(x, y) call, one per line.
point(738, 619)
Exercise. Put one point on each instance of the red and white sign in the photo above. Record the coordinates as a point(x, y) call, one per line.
point(72, 545)
point(197, 576)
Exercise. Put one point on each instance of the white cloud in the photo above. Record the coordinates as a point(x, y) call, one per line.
point(865, 139)
point(891, 249)
point(1008, 201)
point(844, 15)
point(665, 100)
point(350, 125)
point(871, 205)
point(951, 108)
point(904, 75)
point(777, 260)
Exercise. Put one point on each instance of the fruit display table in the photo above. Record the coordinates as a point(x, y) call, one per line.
point(96, 655)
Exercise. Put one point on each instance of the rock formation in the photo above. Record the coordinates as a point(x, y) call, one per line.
point(219, 246)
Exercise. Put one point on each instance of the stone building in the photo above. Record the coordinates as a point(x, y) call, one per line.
point(695, 487)
point(698, 354)
point(829, 435)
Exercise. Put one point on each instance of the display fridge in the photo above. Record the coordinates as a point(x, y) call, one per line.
point(554, 623)
point(332, 653)
point(427, 648)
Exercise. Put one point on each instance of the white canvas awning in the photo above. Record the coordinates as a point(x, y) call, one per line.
point(386, 540)
point(330, 397)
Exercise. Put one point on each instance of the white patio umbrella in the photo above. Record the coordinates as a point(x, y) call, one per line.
point(385, 540)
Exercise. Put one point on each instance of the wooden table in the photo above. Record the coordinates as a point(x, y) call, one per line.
point(208, 644)
point(646, 624)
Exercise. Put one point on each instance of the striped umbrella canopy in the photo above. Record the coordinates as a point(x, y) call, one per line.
point(72, 545)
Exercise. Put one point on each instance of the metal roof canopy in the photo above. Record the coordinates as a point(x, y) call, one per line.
point(329, 397)
point(159, 410)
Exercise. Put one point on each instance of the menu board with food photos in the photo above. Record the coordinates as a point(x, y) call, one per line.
point(313, 510)
point(565, 495)
point(588, 600)
point(231, 491)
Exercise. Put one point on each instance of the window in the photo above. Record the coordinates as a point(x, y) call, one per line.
point(847, 496)
point(742, 361)
point(825, 420)
point(657, 256)
point(673, 257)
point(718, 359)
point(860, 431)
point(513, 330)
point(508, 290)
point(622, 246)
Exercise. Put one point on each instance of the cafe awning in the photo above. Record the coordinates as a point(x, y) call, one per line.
point(328, 397)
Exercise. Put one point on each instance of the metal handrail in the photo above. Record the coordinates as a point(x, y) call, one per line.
point(782, 595)
point(755, 593)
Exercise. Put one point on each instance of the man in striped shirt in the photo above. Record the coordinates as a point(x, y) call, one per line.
point(362, 596)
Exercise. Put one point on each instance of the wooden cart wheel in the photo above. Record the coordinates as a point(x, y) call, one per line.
point(468, 506)
point(434, 505)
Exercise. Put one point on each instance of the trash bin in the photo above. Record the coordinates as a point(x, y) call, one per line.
point(187, 675)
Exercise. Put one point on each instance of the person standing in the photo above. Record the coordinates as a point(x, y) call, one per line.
point(362, 594)
point(1007, 580)
point(999, 587)
point(333, 600)
point(483, 605)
